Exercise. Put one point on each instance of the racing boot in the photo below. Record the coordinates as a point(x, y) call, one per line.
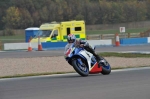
point(89, 48)
point(102, 62)
point(97, 59)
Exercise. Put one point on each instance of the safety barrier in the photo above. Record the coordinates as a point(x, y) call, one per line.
point(143, 40)
point(53, 44)
point(47, 45)
point(117, 42)
point(148, 39)
point(40, 48)
point(29, 46)
point(58, 45)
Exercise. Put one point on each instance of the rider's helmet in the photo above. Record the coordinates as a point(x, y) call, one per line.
point(71, 38)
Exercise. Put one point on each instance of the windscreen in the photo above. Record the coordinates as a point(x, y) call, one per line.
point(44, 33)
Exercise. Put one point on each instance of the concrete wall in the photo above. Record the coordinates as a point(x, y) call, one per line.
point(47, 45)
point(18, 46)
point(148, 39)
point(100, 42)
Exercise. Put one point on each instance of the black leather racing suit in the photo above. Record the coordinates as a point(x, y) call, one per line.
point(88, 48)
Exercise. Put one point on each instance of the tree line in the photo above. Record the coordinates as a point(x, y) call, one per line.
point(20, 14)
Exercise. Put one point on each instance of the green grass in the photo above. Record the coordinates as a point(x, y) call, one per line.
point(115, 68)
point(13, 37)
point(50, 73)
point(135, 30)
point(34, 74)
point(126, 55)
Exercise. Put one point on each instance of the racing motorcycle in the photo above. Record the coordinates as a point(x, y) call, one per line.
point(84, 62)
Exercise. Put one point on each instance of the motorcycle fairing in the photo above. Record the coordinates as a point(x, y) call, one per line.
point(92, 68)
point(95, 69)
point(86, 56)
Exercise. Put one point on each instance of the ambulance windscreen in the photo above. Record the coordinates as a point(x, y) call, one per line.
point(44, 33)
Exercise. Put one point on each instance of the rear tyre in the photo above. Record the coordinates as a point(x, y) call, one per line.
point(106, 69)
point(81, 69)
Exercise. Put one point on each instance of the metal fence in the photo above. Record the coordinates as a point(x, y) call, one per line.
point(141, 24)
point(112, 36)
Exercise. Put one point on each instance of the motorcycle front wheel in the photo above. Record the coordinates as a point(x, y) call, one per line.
point(106, 69)
point(80, 67)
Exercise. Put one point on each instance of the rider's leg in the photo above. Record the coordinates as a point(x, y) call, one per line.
point(98, 59)
point(91, 50)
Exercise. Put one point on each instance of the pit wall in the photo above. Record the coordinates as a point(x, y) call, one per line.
point(49, 45)
point(58, 45)
point(130, 41)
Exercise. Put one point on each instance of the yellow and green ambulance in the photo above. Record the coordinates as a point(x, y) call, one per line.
point(57, 32)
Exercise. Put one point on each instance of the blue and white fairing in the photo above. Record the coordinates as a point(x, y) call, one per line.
point(76, 52)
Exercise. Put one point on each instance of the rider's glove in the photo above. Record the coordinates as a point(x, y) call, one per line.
point(86, 44)
point(81, 45)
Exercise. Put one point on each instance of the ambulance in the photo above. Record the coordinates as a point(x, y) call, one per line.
point(57, 32)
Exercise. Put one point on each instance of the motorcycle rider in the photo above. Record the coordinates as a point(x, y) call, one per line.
point(82, 43)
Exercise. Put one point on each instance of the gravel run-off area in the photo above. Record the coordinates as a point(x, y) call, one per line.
point(15, 66)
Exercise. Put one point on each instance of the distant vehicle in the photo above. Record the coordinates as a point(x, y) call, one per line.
point(57, 32)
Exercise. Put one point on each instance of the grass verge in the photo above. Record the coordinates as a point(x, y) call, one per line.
point(41, 74)
point(125, 55)
point(34, 74)
point(115, 68)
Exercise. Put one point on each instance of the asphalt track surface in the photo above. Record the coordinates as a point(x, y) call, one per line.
point(128, 84)
point(59, 52)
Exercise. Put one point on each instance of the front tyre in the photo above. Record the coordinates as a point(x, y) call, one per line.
point(80, 67)
point(106, 69)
